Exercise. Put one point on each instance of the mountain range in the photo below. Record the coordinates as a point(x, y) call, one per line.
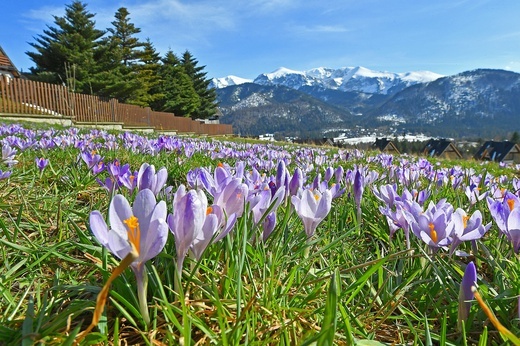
point(325, 102)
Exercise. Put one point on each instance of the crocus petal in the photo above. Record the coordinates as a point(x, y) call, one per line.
point(324, 205)
point(465, 293)
point(157, 232)
point(269, 225)
point(204, 238)
point(118, 212)
point(143, 207)
point(145, 176)
point(99, 227)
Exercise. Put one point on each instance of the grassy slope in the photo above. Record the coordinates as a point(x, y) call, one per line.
point(241, 291)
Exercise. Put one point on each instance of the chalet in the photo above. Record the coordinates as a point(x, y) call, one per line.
point(7, 67)
point(441, 148)
point(386, 146)
point(507, 152)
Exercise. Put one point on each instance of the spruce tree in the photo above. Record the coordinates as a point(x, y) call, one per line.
point(148, 75)
point(118, 76)
point(65, 53)
point(207, 95)
point(179, 95)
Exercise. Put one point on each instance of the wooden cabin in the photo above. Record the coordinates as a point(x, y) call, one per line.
point(442, 148)
point(386, 146)
point(505, 151)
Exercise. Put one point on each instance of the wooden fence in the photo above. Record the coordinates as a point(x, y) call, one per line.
point(22, 96)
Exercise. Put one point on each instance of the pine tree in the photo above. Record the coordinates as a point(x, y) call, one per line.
point(207, 95)
point(148, 75)
point(118, 75)
point(65, 53)
point(179, 95)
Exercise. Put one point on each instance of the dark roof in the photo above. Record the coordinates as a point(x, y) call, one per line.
point(7, 65)
point(437, 147)
point(495, 151)
point(385, 144)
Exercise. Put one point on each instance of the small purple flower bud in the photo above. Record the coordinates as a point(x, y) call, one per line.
point(465, 293)
point(41, 163)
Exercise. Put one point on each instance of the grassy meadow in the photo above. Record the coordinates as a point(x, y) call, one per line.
point(267, 244)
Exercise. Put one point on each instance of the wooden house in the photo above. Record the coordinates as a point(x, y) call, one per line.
point(441, 148)
point(386, 146)
point(7, 67)
point(507, 152)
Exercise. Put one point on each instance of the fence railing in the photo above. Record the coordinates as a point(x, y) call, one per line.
point(22, 96)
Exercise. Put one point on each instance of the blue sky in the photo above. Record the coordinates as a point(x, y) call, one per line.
point(249, 37)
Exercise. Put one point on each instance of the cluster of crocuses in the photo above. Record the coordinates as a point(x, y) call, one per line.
point(193, 221)
point(439, 224)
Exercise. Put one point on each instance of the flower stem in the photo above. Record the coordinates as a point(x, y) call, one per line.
point(142, 285)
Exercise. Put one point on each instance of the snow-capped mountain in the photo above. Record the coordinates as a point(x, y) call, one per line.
point(223, 82)
point(483, 103)
point(349, 79)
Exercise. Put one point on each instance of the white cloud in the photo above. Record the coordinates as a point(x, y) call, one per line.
point(45, 13)
point(321, 29)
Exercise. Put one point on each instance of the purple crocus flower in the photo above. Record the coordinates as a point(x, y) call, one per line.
point(268, 225)
point(387, 194)
point(432, 226)
point(141, 226)
point(148, 179)
point(359, 187)
point(41, 163)
point(465, 293)
point(231, 197)
point(296, 182)
point(204, 237)
point(189, 213)
point(506, 214)
point(466, 228)
point(8, 154)
point(92, 160)
point(312, 207)
point(5, 175)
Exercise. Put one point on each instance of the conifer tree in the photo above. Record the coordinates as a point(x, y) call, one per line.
point(65, 53)
point(207, 95)
point(118, 76)
point(179, 95)
point(148, 75)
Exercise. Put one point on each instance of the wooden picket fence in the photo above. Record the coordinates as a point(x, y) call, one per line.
point(22, 96)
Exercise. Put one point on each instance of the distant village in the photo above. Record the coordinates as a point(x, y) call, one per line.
point(506, 152)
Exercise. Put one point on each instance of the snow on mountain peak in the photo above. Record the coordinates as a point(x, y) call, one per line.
point(350, 79)
point(281, 72)
point(228, 81)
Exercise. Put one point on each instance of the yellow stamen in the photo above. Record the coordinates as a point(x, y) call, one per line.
point(465, 220)
point(433, 233)
point(132, 177)
point(134, 232)
point(209, 210)
point(316, 196)
point(511, 204)
point(220, 164)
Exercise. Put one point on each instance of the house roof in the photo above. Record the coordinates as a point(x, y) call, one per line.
point(7, 65)
point(437, 147)
point(496, 151)
point(385, 144)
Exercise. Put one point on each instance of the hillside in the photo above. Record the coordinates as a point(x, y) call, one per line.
point(480, 103)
